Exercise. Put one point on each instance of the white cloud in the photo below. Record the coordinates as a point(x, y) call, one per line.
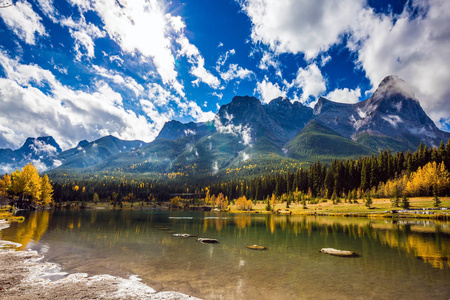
point(234, 71)
point(84, 35)
point(269, 91)
point(311, 81)
point(300, 26)
point(344, 95)
point(245, 132)
point(66, 114)
point(224, 57)
point(268, 60)
point(141, 27)
point(120, 80)
point(23, 21)
point(198, 63)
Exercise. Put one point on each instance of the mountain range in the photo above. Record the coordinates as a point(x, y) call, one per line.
point(246, 134)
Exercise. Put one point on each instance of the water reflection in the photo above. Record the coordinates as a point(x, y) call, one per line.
point(30, 231)
point(426, 240)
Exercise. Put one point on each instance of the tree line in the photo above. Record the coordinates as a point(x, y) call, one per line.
point(423, 172)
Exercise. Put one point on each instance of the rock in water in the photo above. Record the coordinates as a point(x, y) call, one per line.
point(208, 241)
point(336, 252)
point(185, 235)
point(256, 247)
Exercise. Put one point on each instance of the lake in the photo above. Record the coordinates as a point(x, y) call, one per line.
point(399, 259)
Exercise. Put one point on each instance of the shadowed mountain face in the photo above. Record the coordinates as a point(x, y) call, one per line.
point(246, 132)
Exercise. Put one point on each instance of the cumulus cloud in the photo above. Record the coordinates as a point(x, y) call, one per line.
point(344, 95)
point(311, 81)
point(300, 26)
point(23, 21)
point(268, 90)
point(66, 114)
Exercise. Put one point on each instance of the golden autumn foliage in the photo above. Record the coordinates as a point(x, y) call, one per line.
point(221, 202)
point(419, 183)
point(28, 186)
point(243, 204)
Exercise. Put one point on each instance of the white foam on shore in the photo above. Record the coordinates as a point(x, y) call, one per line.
point(40, 275)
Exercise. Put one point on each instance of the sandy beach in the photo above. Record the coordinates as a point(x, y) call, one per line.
point(23, 275)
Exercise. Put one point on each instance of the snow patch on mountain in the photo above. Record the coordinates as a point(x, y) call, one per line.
point(394, 120)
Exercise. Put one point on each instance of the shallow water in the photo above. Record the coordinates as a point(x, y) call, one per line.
point(404, 259)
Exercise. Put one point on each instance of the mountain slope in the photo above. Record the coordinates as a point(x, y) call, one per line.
point(317, 142)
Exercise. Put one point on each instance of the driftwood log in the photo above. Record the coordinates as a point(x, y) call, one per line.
point(337, 252)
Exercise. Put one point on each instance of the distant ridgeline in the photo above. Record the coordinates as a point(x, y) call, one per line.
point(421, 173)
point(246, 139)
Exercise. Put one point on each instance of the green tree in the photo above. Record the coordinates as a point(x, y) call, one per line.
point(369, 201)
point(405, 202)
point(437, 201)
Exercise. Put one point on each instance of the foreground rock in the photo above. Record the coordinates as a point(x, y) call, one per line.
point(336, 252)
point(24, 276)
point(208, 241)
point(256, 247)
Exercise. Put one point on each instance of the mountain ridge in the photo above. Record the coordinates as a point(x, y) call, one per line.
point(246, 131)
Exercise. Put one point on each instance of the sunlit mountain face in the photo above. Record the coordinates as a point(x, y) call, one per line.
point(85, 70)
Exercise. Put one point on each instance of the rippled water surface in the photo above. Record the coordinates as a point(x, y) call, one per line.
point(399, 259)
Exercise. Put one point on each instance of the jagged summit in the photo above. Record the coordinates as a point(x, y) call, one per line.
point(392, 86)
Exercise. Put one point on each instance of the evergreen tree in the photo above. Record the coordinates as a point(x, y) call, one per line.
point(369, 201)
point(437, 201)
point(395, 200)
point(405, 202)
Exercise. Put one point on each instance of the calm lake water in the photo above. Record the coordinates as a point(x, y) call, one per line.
point(400, 259)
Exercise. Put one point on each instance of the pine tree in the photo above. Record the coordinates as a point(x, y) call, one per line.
point(405, 202)
point(395, 198)
point(368, 200)
point(437, 201)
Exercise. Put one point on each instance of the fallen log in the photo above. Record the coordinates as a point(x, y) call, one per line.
point(336, 252)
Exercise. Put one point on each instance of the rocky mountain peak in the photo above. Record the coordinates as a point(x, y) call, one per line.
point(394, 88)
point(45, 145)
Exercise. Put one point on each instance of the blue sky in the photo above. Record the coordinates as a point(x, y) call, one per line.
point(78, 69)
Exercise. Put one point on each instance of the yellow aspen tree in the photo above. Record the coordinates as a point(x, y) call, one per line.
point(46, 191)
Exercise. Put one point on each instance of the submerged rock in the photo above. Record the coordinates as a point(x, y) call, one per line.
point(256, 247)
point(336, 252)
point(185, 235)
point(208, 241)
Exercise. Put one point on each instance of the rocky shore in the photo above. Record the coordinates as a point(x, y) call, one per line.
point(23, 275)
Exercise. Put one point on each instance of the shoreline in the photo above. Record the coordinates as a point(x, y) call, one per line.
point(25, 276)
